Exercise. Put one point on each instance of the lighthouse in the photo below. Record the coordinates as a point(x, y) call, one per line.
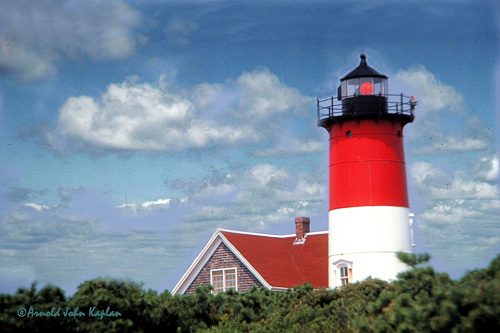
point(369, 215)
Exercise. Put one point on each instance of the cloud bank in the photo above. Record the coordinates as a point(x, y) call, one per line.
point(35, 35)
point(135, 116)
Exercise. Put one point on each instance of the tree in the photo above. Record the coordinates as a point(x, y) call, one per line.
point(422, 300)
point(412, 259)
point(111, 305)
point(29, 299)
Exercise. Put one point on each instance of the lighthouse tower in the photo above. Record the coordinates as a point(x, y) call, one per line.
point(369, 216)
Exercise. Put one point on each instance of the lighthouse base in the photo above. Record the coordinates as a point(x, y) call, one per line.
point(363, 242)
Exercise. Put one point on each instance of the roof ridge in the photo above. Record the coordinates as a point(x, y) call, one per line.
point(269, 235)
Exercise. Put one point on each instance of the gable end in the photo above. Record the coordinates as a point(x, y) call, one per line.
point(224, 258)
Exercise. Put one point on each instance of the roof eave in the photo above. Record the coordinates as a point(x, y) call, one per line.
point(197, 264)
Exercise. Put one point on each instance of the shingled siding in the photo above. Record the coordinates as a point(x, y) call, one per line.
point(224, 258)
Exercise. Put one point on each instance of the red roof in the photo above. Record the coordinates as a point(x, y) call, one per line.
point(280, 262)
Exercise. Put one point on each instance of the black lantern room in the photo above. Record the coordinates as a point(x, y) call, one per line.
point(364, 92)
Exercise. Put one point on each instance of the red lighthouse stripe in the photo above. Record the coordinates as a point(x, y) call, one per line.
point(367, 166)
point(368, 183)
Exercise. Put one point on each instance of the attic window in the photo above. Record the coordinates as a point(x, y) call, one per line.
point(223, 279)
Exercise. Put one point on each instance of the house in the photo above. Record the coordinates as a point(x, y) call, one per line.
point(240, 260)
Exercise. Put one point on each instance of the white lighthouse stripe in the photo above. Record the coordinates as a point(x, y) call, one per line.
point(369, 229)
point(369, 237)
point(379, 265)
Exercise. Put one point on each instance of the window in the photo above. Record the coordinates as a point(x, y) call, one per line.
point(345, 93)
point(223, 279)
point(343, 272)
point(380, 86)
point(357, 86)
point(344, 275)
point(352, 87)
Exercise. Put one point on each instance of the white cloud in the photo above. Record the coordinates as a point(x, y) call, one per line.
point(126, 117)
point(266, 175)
point(306, 147)
point(460, 185)
point(143, 116)
point(259, 197)
point(421, 171)
point(131, 116)
point(460, 209)
point(440, 105)
point(25, 63)
point(432, 94)
point(453, 145)
point(308, 191)
point(36, 207)
point(294, 148)
point(157, 203)
point(134, 208)
point(263, 95)
point(63, 29)
point(214, 191)
point(491, 169)
point(254, 97)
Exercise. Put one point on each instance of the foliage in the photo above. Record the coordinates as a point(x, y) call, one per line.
point(420, 300)
point(129, 306)
point(412, 259)
point(41, 301)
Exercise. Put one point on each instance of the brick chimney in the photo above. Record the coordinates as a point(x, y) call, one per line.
point(301, 229)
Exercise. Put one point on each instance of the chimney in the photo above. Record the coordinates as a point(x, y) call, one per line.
point(301, 229)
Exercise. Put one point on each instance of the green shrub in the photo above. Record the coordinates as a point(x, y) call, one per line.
point(420, 300)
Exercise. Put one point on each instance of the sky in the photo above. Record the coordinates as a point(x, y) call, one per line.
point(131, 130)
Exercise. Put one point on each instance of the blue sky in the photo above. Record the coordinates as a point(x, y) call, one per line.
point(131, 130)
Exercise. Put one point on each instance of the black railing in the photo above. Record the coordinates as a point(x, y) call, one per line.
point(396, 105)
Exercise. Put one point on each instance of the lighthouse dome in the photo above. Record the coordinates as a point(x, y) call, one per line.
point(363, 70)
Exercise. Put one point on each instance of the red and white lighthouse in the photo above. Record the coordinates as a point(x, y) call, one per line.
point(369, 215)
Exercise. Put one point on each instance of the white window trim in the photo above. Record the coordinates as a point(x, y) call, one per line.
point(224, 288)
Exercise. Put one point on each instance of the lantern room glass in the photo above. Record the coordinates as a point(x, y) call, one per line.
point(380, 86)
point(363, 86)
